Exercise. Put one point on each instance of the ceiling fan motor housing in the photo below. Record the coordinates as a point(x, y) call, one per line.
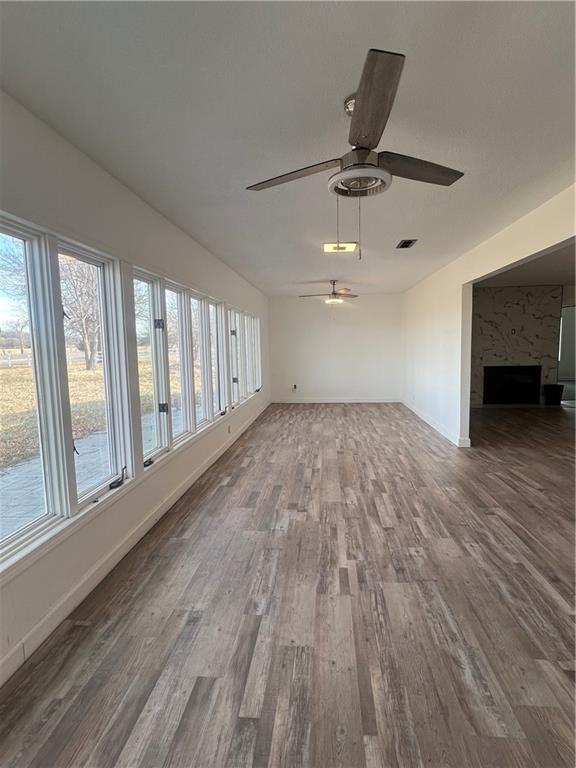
point(359, 175)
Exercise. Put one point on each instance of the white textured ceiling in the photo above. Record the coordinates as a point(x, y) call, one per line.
point(187, 103)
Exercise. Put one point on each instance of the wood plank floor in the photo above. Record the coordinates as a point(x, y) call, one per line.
point(343, 588)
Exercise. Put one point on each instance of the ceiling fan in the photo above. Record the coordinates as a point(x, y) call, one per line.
point(363, 171)
point(336, 295)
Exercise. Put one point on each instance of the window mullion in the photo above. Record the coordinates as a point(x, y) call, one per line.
point(50, 350)
point(242, 362)
point(112, 385)
point(163, 370)
point(221, 327)
point(230, 356)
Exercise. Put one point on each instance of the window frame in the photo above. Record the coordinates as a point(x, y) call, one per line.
point(249, 360)
point(186, 362)
point(221, 347)
point(233, 356)
point(41, 284)
point(257, 355)
point(159, 358)
point(42, 247)
point(113, 361)
point(204, 342)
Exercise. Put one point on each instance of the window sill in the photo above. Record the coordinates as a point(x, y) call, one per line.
point(24, 551)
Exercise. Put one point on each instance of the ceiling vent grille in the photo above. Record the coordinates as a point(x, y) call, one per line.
point(406, 243)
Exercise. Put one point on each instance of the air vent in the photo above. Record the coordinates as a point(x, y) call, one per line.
point(406, 243)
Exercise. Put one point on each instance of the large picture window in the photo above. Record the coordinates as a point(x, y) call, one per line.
point(22, 487)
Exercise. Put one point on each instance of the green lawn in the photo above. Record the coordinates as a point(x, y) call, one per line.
point(18, 413)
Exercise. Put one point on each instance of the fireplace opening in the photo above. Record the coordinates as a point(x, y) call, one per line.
point(512, 384)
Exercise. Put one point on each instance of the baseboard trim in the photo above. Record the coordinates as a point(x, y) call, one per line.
point(459, 442)
point(321, 400)
point(26, 646)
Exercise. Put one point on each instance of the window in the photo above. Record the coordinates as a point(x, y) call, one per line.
point(254, 353)
point(22, 488)
point(176, 350)
point(249, 353)
point(69, 363)
point(89, 365)
point(216, 360)
point(148, 356)
point(244, 354)
point(243, 371)
point(198, 359)
point(257, 355)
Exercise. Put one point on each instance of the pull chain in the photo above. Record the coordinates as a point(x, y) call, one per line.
point(359, 232)
point(338, 222)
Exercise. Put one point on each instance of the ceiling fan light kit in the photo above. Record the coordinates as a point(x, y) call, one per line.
point(336, 295)
point(360, 181)
point(339, 247)
point(364, 172)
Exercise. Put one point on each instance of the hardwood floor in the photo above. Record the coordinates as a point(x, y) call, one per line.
point(343, 588)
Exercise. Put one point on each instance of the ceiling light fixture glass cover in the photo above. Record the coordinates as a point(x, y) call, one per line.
point(360, 181)
point(339, 247)
point(333, 300)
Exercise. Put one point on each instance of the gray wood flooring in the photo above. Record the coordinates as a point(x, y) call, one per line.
point(342, 588)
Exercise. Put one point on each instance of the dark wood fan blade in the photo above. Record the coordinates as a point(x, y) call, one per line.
point(299, 174)
point(418, 170)
point(374, 97)
point(313, 295)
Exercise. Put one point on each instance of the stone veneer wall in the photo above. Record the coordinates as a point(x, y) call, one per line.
point(515, 326)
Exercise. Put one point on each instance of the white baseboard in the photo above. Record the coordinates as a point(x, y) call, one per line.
point(460, 442)
point(17, 655)
point(11, 662)
point(320, 400)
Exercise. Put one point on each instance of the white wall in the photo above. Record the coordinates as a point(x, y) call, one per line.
point(336, 353)
point(437, 315)
point(48, 182)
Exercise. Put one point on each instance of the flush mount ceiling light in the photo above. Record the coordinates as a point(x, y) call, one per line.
point(339, 247)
